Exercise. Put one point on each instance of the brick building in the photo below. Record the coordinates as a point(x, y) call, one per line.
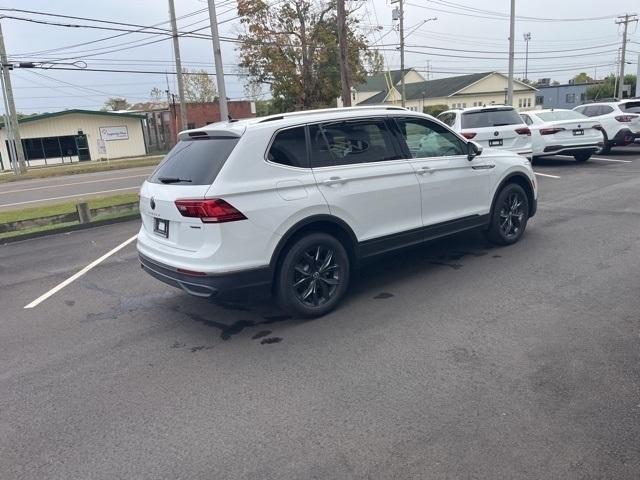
point(161, 119)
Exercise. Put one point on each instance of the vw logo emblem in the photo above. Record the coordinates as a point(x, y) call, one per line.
point(152, 202)
point(579, 126)
point(495, 134)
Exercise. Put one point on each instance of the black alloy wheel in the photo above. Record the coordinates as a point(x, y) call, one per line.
point(509, 215)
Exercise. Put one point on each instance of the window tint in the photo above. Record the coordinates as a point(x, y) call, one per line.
point(428, 139)
point(289, 148)
point(351, 142)
point(570, 98)
point(630, 107)
point(195, 161)
point(491, 117)
point(560, 115)
point(527, 119)
point(448, 118)
point(591, 111)
point(604, 109)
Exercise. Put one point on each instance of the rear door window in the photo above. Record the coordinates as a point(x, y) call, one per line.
point(195, 161)
point(289, 148)
point(351, 142)
point(630, 107)
point(491, 117)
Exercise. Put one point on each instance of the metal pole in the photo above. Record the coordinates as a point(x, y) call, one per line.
point(176, 52)
point(7, 125)
point(623, 56)
point(344, 56)
point(11, 112)
point(637, 92)
point(512, 34)
point(402, 89)
point(527, 37)
point(217, 58)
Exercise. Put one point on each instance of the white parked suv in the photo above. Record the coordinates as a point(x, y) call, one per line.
point(620, 121)
point(560, 131)
point(290, 204)
point(493, 126)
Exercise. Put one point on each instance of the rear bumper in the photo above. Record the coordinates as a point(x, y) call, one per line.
point(571, 148)
point(625, 137)
point(254, 283)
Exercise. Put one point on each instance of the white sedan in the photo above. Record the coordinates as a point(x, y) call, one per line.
point(559, 131)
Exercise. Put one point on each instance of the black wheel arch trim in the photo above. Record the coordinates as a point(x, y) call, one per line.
point(529, 191)
point(352, 249)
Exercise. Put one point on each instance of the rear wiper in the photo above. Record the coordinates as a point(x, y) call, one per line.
point(174, 180)
point(501, 124)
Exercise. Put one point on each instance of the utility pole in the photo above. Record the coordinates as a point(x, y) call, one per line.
point(527, 39)
point(12, 117)
point(625, 20)
point(402, 89)
point(344, 56)
point(217, 58)
point(176, 52)
point(512, 34)
point(637, 92)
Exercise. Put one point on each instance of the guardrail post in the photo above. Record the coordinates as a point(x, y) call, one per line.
point(84, 212)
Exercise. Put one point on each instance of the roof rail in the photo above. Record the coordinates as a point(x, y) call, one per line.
point(281, 116)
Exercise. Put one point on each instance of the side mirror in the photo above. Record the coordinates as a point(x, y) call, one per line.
point(473, 150)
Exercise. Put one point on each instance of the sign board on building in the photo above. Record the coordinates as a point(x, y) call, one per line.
point(114, 133)
point(102, 147)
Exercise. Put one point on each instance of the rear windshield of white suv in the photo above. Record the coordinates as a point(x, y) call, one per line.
point(560, 115)
point(195, 161)
point(630, 107)
point(490, 117)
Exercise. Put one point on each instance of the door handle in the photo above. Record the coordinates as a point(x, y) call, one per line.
point(425, 170)
point(334, 181)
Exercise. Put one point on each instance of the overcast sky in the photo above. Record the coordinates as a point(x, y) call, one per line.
point(592, 44)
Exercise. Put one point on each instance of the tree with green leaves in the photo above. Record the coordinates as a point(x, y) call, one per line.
point(582, 77)
point(293, 48)
point(607, 89)
point(115, 103)
point(199, 86)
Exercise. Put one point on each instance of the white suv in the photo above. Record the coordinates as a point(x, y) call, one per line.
point(290, 204)
point(620, 121)
point(494, 126)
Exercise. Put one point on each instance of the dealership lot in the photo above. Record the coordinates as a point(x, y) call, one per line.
point(456, 360)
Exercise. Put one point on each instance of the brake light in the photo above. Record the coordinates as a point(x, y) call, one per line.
point(550, 131)
point(209, 210)
point(468, 135)
point(625, 118)
point(523, 131)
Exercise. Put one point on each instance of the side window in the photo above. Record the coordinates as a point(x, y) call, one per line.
point(446, 118)
point(604, 109)
point(351, 142)
point(427, 139)
point(581, 110)
point(289, 148)
point(591, 111)
point(527, 119)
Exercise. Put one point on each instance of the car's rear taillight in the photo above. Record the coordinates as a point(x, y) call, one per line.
point(523, 131)
point(597, 126)
point(625, 118)
point(550, 131)
point(468, 135)
point(209, 210)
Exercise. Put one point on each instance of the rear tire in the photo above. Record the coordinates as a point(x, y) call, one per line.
point(582, 156)
point(509, 215)
point(606, 146)
point(313, 276)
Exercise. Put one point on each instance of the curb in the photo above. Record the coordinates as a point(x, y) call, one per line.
point(70, 228)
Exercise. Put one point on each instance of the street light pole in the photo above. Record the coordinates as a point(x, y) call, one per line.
point(512, 33)
point(527, 38)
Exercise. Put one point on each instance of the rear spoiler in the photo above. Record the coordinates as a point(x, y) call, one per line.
point(233, 131)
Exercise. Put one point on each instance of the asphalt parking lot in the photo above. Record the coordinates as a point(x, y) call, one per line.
point(455, 360)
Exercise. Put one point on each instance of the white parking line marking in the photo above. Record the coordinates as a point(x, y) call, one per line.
point(546, 175)
point(74, 277)
point(611, 160)
point(67, 196)
point(72, 184)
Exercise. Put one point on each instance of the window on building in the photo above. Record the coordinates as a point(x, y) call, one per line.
point(528, 102)
point(347, 143)
point(464, 105)
point(570, 98)
point(289, 148)
point(353, 96)
point(539, 99)
point(519, 103)
point(583, 97)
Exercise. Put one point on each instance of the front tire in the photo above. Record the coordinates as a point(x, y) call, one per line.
point(509, 215)
point(313, 276)
point(582, 156)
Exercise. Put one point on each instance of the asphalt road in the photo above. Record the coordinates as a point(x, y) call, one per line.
point(456, 360)
point(29, 193)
